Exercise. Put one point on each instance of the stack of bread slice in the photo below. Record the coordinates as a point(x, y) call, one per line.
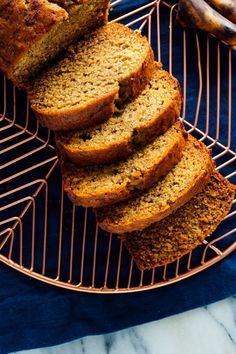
point(123, 150)
point(121, 146)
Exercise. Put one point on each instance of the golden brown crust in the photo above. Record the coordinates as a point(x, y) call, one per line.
point(122, 148)
point(26, 27)
point(178, 234)
point(23, 23)
point(93, 114)
point(165, 120)
point(119, 150)
point(136, 182)
point(82, 117)
point(145, 220)
point(136, 82)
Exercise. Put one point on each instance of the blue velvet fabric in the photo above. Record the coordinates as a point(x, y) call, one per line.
point(34, 314)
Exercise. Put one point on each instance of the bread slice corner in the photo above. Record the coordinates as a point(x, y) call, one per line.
point(185, 180)
point(181, 232)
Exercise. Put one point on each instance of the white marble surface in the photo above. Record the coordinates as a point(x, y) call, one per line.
point(207, 330)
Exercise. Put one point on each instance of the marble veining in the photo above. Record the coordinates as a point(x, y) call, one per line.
point(207, 330)
point(229, 310)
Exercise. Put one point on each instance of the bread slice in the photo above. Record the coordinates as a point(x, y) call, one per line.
point(33, 32)
point(185, 229)
point(186, 179)
point(148, 116)
point(98, 186)
point(110, 66)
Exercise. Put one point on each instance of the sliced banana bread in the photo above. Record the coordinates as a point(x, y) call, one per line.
point(98, 186)
point(148, 116)
point(113, 64)
point(185, 229)
point(186, 179)
point(34, 32)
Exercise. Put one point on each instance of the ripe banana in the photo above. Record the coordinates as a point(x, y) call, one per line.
point(227, 8)
point(198, 14)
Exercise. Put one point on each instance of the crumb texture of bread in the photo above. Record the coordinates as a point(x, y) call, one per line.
point(97, 186)
point(32, 33)
point(110, 66)
point(186, 179)
point(185, 229)
point(140, 121)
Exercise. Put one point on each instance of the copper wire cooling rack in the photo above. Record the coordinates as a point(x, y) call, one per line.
point(43, 235)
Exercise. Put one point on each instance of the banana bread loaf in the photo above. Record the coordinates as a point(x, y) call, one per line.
point(98, 186)
point(148, 116)
point(186, 179)
point(113, 64)
point(34, 32)
point(185, 229)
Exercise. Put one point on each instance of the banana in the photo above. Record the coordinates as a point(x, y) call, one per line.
point(198, 14)
point(227, 8)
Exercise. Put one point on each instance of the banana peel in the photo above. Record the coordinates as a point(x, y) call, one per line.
point(197, 14)
point(227, 8)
